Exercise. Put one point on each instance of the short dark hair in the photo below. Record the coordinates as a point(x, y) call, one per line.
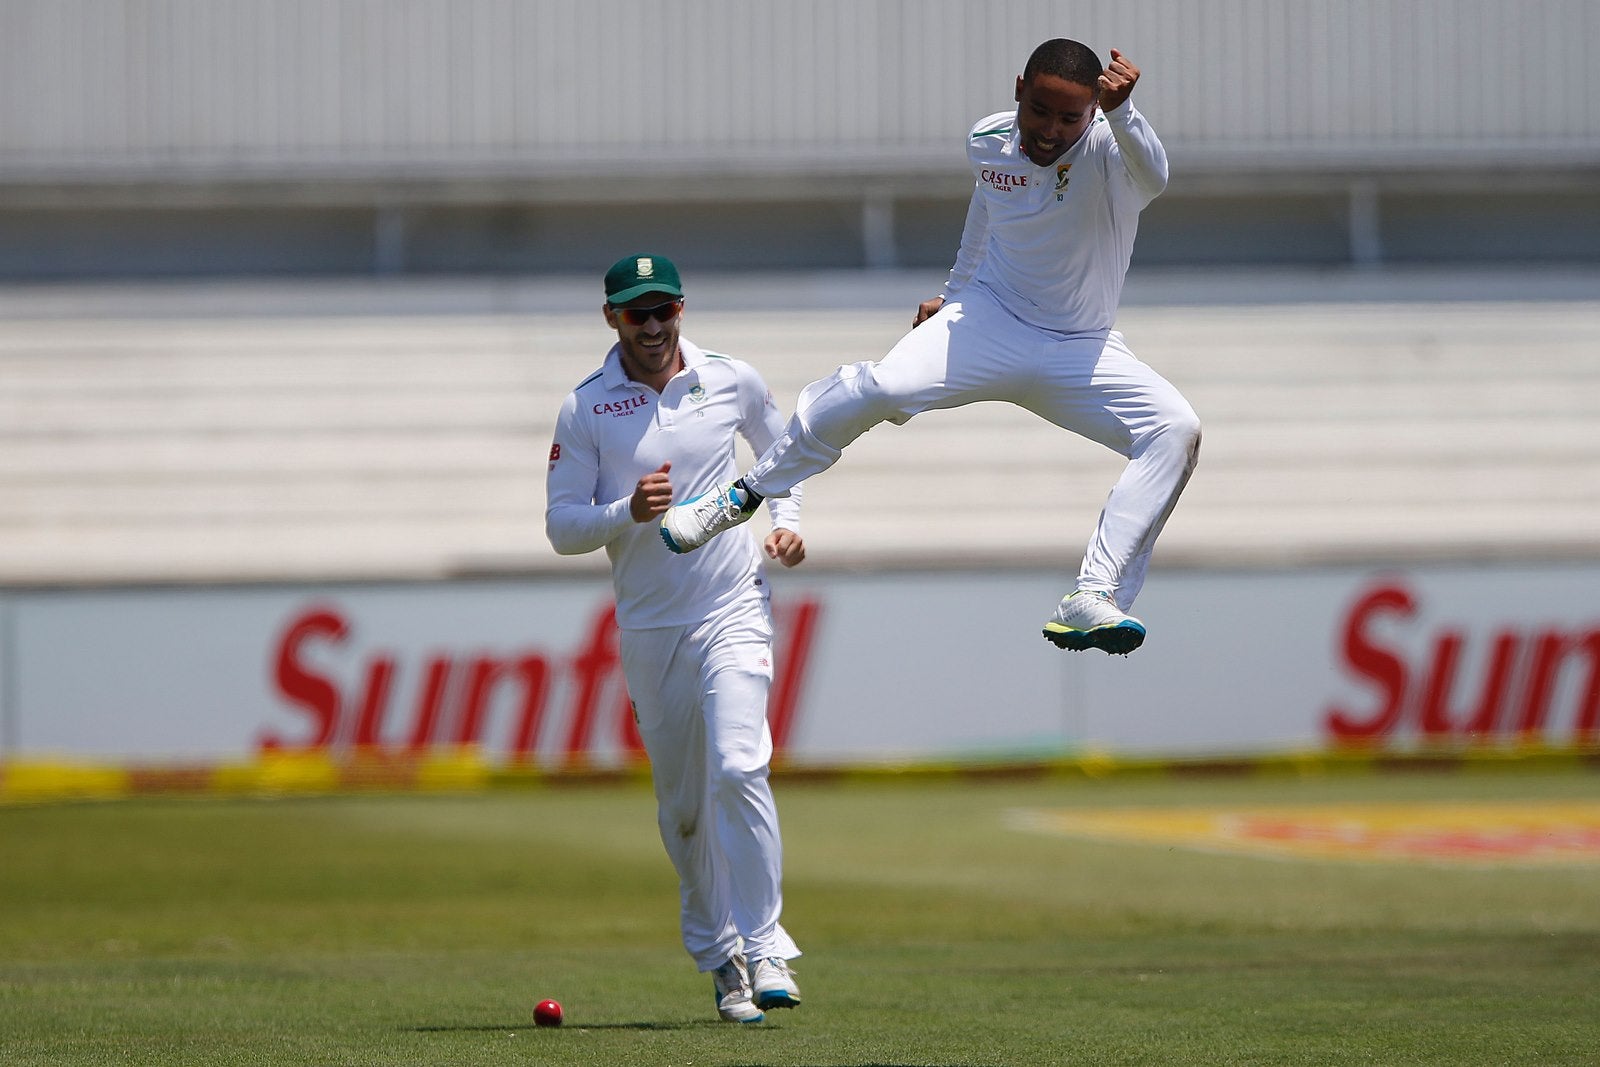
point(1067, 60)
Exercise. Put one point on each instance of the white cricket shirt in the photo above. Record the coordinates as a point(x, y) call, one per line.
point(1052, 243)
point(612, 431)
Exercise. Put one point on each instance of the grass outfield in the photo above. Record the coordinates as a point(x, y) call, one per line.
point(421, 930)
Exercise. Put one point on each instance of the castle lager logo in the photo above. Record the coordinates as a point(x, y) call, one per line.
point(1004, 182)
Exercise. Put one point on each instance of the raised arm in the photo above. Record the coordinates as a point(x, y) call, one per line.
point(1142, 155)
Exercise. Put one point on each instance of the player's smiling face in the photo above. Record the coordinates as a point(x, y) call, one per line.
point(649, 349)
point(1052, 113)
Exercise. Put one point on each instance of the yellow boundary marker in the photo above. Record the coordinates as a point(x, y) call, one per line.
point(43, 780)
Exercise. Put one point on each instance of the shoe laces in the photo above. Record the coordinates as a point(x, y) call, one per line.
point(777, 963)
point(730, 978)
point(719, 505)
point(1089, 608)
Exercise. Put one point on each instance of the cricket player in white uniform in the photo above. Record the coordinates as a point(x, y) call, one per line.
point(1025, 317)
point(696, 632)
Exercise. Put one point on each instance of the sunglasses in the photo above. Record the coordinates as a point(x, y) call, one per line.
point(639, 316)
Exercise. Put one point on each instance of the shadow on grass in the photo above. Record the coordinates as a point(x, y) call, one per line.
point(698, 1024)
point(521, 1026)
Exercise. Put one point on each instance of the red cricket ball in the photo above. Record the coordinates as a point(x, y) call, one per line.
point(547, 1013)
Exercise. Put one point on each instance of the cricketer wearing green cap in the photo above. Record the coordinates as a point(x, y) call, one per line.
point(659, 421)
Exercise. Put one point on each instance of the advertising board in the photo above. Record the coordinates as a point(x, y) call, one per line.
point(871, 668)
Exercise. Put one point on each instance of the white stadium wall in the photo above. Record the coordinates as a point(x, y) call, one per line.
point(294, 88)
point(331, 136)
point(872, 669)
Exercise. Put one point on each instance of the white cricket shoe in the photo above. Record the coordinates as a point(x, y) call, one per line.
point(732, 982)
point(687, 526)
point(774, 984)
point(1089, 619)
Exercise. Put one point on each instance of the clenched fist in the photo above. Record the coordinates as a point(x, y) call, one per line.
point(652, 496)
point(1117, 82)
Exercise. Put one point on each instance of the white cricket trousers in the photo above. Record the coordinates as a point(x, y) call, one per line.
point(974, 349)
point(700, 698)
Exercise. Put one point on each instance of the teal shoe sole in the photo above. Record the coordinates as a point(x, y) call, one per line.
point(1118, 640)
point(776, 999)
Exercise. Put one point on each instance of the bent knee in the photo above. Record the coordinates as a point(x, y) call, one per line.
point(1180, 429)
point(1174, 437)
point(1188, 431)
point(878, 396)
point(845, 405)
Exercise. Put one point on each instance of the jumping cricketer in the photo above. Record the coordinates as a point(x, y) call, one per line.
point(1026, 316)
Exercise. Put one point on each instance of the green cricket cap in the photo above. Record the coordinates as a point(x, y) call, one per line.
point(637, 275)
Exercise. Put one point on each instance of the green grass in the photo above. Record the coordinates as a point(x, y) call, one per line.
point(421, 930)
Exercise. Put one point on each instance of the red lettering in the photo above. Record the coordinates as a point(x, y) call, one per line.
point(484, 677)
point(1383, 668)
point(475, 698)
point(621, 407)
point(535, 674)
point(303, 687)
point(591, 667)
point(1437, 714)
point(456, 698)
point(430, 698)
point(1435, 717)
point(793, 660)
point(374, 702)
point(1003, 181)
point(1550, 650)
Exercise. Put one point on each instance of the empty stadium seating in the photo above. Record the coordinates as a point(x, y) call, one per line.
point(360, 430)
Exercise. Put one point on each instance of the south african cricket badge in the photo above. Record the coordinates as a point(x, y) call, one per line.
point(1061, 180)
